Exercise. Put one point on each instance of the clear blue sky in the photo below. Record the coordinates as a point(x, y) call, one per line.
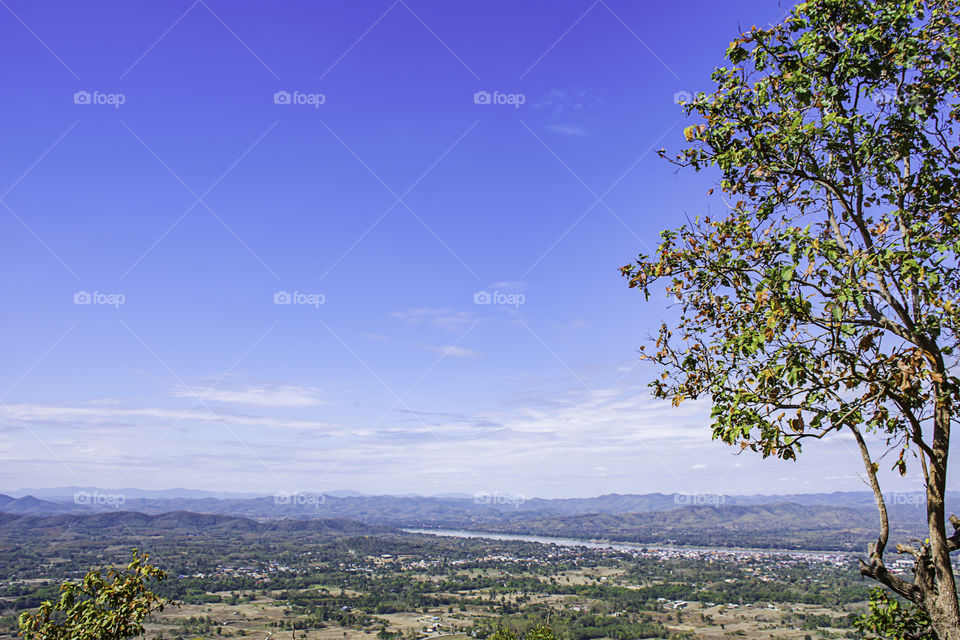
point(184, 163)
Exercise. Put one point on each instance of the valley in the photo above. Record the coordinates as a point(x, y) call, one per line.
point(327, 579)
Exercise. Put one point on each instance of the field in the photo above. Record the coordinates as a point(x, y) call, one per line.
point(269, 618)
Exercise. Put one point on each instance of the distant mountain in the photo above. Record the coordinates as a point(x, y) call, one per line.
point(28, 505)
point(67, 493)
point(640, 503)
point(490, 512)
point(127, 523)
point(781, 526)
point(812, 521)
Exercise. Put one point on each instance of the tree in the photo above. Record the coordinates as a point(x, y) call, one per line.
point(540, 632)
point(825, 295)
point(503, 634)
point(98, 608)
point(888, 618)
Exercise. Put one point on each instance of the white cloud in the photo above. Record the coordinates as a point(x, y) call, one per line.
point(449, 350)
point(553, 437)
point(565, 111)
point(99, 416)
point(561, 102)
point(259, 396)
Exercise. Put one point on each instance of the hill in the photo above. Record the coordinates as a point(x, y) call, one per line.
point(843, 520)
point(29, 505)
point(780, 526)
point(126, 523)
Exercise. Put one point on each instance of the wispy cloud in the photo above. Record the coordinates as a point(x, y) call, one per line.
point(513, 286)
point(452, 350)
point(255, 395)
point(612, 437)
point(569, 101)
point(81, 417)
point(578, 323)
point(445, 318)
point(565, 111)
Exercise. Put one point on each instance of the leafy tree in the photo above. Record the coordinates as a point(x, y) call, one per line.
point(888, 618)
point(98, 608)
point(825, 295)
point(540, 632)
point(503, 634)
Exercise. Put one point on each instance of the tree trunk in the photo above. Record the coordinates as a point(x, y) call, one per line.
point(941, 603)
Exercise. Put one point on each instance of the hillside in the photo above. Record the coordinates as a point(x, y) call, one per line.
point(127, 523)
point(812, 521)
point(842, 520)
point(781, 526)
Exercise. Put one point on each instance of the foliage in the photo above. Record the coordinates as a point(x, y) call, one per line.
point(540, 632)
point(830, 288)
point(98, 608)
point(503, 634)
point(888, 618)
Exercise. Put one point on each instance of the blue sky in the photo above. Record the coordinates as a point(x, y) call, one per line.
point(181, 167)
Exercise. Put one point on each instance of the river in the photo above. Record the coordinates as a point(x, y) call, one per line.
point(620, 546)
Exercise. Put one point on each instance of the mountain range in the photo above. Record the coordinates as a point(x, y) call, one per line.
point(841, 520)
point(780, 525)
point(411, 509)
point(491, 512)
point(62, 494)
